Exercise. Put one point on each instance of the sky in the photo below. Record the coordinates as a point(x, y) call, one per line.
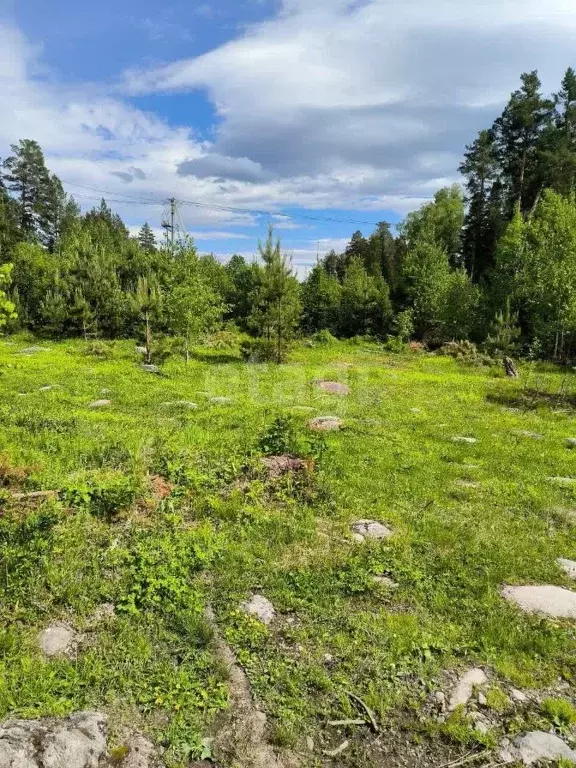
point(325, 115)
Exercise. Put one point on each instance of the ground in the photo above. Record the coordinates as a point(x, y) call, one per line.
point(162, 508)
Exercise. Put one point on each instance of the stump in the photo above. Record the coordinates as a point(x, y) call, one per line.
point(510, 368)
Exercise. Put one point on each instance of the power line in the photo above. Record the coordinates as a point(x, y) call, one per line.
point(215, 207)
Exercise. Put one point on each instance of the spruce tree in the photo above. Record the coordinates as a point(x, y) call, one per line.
point(27, 177)
point(146, 238)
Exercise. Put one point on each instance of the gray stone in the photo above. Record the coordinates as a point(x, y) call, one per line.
point(518, 696)
point(568, 566)
point(467, 483)
point(221, 400)
point(527, 433)
point(459, 439)
point(141, 752)
point(149, 368)
point(562, 480)
point(33, 350)
point(482, 700)
point(325, 423)
point(571, 442)
point(261, 607)
point(48, 387)
point(333, 387)
point(464, 688)
point(535, 746)
point(549, 600)
point(440, 699)
point(141, 350)
point(78, 741)
point(415, 410)
point(481, 724)
point(385, 581)
point(370, 529)
point(180, 404)
point(100, 403)
point(57, 640)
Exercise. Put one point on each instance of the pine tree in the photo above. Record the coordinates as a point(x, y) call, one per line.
point(321, 295)
point(276, 307)
point(146, 238)
point(518, 133)
point(480, 166)
point(27, 177)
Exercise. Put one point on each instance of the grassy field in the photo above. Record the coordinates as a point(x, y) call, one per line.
point(162, 508)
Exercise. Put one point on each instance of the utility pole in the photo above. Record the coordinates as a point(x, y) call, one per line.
point(172, 202)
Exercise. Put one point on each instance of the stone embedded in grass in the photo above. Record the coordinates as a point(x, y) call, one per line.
point(221, 400)
point(464, 689)
point(141, 350)
point(571, 442)
point(519, 697)
point(48, 387)
point(140, 752)
point(527, 433)
point(100, 403)
point(333, 387)
point(562, 480)
point(460, 439)
point(325, 423)
point(467, 483)
point(78, 741)
point(415, 410)
point(568, 566)
point(103, 612)
point(370, 529)
point(536, 746)
point(385, 581)
point(58, 640)
point(149, 368)
point(556, 602)
point(180, 404)
point(260, 607)
point(33, 350)
point(281, 465)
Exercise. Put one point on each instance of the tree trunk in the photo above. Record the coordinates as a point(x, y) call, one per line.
point(510, 368)
point(147, 342)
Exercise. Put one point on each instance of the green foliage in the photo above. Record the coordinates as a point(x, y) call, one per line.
point(281, 437)
point(324, 337)
point(561, 713)
point(7, 307)
point(104, 494)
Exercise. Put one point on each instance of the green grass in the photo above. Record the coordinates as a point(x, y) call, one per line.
point(467, 518)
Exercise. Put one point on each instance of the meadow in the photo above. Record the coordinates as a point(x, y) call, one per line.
point(161, 505)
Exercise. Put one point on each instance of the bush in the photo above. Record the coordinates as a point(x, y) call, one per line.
point(102, 349)
point(281, 437)
point(263, 351)
point(225, 338)
point(465, 351)
point(324, 337)
point(395, 344)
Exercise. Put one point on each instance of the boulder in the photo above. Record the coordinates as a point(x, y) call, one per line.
point(100, 403)
point(370, 529)
point(464, 688)
point(553, 601)
point(149, 368)
point(533, 747)
point(58, 640)
point(325, 423)
point(78, 741)
point(260, 607)
point(568, 566)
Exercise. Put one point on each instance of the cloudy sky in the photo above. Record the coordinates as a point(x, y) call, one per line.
point(354, 110)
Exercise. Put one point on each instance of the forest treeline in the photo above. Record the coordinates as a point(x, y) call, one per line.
point(493, 263)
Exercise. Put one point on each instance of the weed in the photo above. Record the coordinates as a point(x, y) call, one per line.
point(561, 713)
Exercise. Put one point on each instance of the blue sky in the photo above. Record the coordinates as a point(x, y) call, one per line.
point(354, 110)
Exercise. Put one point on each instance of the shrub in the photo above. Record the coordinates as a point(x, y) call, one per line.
point(324, 337)
point(281, 437)
point(102, 349)
point(259, 350)
point(465, 351)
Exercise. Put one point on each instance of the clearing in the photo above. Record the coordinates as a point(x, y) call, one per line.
point(176, 545)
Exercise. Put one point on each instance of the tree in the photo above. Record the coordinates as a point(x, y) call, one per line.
point(276, 303)
point(518, 135)
point(481, 168)
point(147, 298)
point(321, 296)
point(365, 306)
point(383, 255)
point(243, 282)
point(9, 231)
point(7, 307)
point(438, 223)
point(146, 238)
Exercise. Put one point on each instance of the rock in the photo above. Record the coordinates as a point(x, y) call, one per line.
point(518, 696)
point(462, 693)
point(549, 600)
point(281, 465)
point(535, 746)
point(261, 607)
point(140, 752)
point(221, 400)
point(149, 368)
point(415, 410)
point(325, 423)
point(385, 581)
point(562, 480)
point(58, 640)
point(459, 439)
point(481, 723)
point(440, 699)
point(482, 700)
point(48, 387)
point(571, 442)
point(33, 350)
point(333, 387)
point(180, 404)
point(467, 484)
point(310, 743)
point(79, 741)
point(370, 529)
point(328, 658)
point(105, 391)
point(140, 350)
point(100, 403)
point(527, 433)
point(568, 566)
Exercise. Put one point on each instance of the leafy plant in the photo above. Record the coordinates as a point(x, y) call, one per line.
point(560, 712)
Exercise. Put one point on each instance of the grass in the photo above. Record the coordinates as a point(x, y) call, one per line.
point(467, 518)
